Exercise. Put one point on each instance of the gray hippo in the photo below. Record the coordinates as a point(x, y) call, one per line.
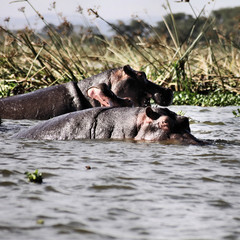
point(138, 123)
point(49, 102)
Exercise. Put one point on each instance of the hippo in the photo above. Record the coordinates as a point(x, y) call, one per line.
point(138, 123)
point(129, 85)
point(106, 97)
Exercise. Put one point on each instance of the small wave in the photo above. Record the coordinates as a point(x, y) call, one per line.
point(7, 184)
point(208, 179)
point(213, 123)
point(51, 189)
point(109, 187)
point(220, 203)
point(72, 226)
point(6, 172)
point(224, 142)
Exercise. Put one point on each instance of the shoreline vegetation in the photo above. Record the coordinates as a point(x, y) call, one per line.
point(197, 57)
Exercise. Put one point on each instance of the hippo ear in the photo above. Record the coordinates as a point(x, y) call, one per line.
point(129, 71)
point(134, 74)
point(151, 114)
point(92, 92)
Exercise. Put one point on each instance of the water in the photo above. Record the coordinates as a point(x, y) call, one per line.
point(133, 190)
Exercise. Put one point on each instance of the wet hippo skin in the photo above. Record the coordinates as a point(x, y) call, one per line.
point(113, 123)
point(49, 102)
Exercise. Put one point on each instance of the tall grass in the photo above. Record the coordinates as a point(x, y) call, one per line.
point(30, 60)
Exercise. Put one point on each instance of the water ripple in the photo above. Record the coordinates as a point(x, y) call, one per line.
point(110, 187)
point(131, 190)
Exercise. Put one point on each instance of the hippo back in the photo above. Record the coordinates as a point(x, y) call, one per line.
point(95, 123)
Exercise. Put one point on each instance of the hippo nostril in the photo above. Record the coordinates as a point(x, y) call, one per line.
point(164, 99)
point(146, 102)
point(157, 98)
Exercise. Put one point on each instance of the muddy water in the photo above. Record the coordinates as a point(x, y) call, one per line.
point(132, 191)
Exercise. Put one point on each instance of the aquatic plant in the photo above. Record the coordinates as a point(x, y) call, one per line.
point(35, 177)
point(40, 221)
point(236, 113)
point(216, 98)
point(180, 113)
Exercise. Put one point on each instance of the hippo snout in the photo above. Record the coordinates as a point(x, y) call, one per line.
point(164, 98)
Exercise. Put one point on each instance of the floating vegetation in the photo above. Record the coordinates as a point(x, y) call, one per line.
point(236, 113)
point(180, 113)
point(216, 98)
point(35, 177)
point(40, 221)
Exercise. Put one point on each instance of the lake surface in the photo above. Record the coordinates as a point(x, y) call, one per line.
point(132, 191)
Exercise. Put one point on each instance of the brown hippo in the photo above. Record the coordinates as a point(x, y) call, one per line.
point(130, 86)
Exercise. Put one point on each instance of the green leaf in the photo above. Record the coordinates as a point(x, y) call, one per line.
point(34, 177)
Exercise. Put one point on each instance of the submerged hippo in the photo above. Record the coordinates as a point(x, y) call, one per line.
point(56, 100)
point(114, 123)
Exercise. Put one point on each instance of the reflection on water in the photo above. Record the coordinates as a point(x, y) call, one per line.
point(131, 191)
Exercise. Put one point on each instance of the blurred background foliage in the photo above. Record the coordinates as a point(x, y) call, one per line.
point(196, 56)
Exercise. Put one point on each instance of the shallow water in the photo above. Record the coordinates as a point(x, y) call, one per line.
point(132, 191)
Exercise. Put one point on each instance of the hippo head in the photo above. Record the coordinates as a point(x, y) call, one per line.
point(127, 82)
point(153, 126)
point(160, 124)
